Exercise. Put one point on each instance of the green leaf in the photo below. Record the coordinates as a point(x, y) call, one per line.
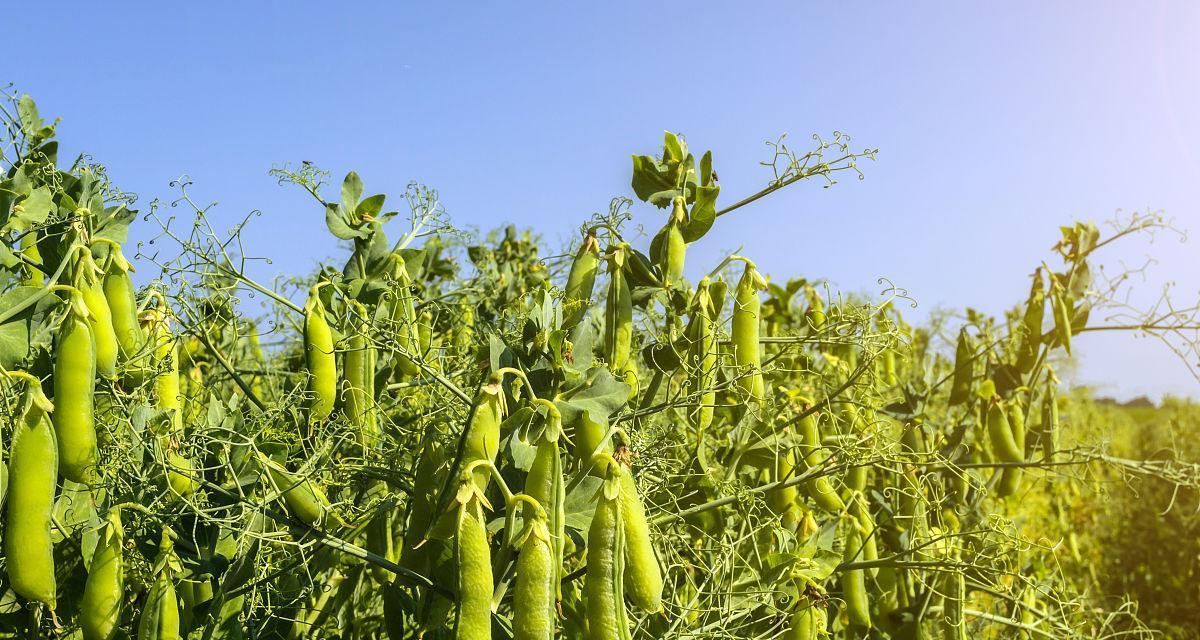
point(36, 208)
point(653, 182)
point(27, 113)
point(370, 207)
point(352, 190)
point(703, 213)
point(15, 333)
point(336, 221)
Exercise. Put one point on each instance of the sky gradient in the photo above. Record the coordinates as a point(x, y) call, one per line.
point(994, 125)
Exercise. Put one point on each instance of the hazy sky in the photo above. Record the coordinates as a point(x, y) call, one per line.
point(994, 125)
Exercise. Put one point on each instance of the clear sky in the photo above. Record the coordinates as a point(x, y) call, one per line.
point(994, 123)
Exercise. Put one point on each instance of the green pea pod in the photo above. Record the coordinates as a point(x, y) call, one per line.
point(1010, 478)
point(99, 316)
point(483, 434)
point(358, 398)
point(1062, 319)
point(861, 511)
point(403, 318)
point(854, 585)
point(473, 619)
point(303, 497)
point(119, 293)
point(820, 489)
point(160, 613)
point(537, 581)
point(427, 481)
point(1000, 434)
point(181, 475)
point(604, 568)
point(747, 311)
point(547, 486)
point(379, 531)
point(74, 387)
point(1049, 428)
point(702, 355)
point(589, 440)
point(806, 623)
point(425, 334)
point(1031, 325)
point(104, 591)
point(618, 313)
point(782, 502)
point(29, 248)
point(33, 477)
point(643, 576)
point(165, 346)
point(319, 357)
point(674, 244)
point(964, 369)
point(953, 623)
point(580, 281)
point(889, 369)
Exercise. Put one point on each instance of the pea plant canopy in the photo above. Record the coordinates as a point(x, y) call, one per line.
point(450, 436)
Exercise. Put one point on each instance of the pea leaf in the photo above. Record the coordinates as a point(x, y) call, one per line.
point(352, 190)
point(703, 213)
point(16, 332)
point(335, 219)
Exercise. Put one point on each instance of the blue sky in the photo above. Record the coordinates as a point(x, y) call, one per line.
point(994, 123)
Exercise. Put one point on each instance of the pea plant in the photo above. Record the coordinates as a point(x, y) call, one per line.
point(455, 436)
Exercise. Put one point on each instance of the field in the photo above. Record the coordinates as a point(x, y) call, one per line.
point(455, 435)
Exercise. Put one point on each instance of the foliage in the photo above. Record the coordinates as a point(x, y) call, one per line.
point(453, 436)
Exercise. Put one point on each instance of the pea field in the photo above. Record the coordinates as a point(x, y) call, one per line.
point(458, 435)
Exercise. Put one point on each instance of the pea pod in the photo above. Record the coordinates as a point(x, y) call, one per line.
point(702, 354)
point(964, 369)
point(181, 475)
point(473, 619)
point(165, 345)
point(820, 489)
point(604, 572)
point(1000, 433)
point(782, 501)
point(643, 576)
point(160, 613)
point(319, 357)
point(537, 581)
point(483, 433)
point(618, 313)
point(119, 293)
point(403, 317)
point(953, 623)
point(303, 497)
point(74, 387)
point(99, 315)
point(674, 245)
point(426, 482)
point(1031, 325)
point(1049, 427)
point(29, 248)
point(1010, 477)
point(33, 476)
point(747, 312)
point(379, 530)
point(580, 281)
point(862, 512)
point(854, 585)
point(358, 399)
point(546, 485)
point(104, 591)
point(1061, 307)
point(806, 623)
